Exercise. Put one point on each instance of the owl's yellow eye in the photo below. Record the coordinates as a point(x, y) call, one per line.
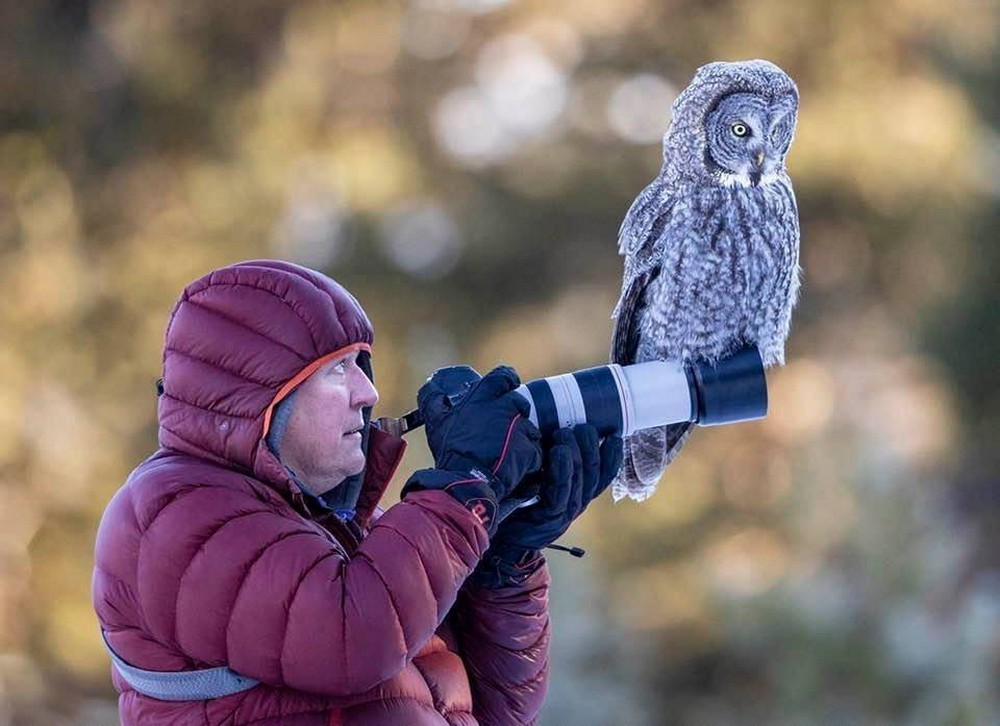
point(740, 129)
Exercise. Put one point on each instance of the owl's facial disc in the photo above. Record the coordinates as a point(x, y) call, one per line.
point(747, 138)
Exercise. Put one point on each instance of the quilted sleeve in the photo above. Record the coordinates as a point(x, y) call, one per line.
point(275, 600)
point(504, 638)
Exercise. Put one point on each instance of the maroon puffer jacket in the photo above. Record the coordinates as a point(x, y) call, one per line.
point(210, 555)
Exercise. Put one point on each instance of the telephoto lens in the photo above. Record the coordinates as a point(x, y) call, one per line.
point(624, 399)
point(621, 400)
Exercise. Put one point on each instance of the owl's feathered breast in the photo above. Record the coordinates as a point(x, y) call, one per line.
point(716, 264)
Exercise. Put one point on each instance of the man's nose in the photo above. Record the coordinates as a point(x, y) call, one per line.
point(364, 391)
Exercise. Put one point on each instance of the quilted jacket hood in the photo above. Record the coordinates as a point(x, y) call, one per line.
point(238, 341)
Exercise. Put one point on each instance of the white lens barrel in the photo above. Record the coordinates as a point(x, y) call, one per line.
point(659, 392)
point(616, 399)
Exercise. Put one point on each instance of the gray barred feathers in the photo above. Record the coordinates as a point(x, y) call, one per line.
point(711, 245)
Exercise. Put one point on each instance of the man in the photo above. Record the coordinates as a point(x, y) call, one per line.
point(244, 574)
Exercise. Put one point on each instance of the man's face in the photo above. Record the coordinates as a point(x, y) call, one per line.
point(322, 443)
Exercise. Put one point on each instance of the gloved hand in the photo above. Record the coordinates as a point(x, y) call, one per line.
point(577, 470)
point(438, 399)
point(480, 424)
point(478, 429)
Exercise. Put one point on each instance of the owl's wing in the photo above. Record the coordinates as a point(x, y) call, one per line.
point(625, 338)
point(638, 235)
point(647, 452)
point(645, 219)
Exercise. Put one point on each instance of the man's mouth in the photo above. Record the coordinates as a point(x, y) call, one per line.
point(358, 430)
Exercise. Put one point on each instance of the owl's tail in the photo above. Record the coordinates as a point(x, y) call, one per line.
point(647, 454)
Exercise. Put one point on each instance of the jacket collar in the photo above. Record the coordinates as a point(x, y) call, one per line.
point(385, 452)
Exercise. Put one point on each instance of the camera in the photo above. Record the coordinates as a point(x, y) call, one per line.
point(621, 400)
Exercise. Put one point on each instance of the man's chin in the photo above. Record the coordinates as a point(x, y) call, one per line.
point(358, 465)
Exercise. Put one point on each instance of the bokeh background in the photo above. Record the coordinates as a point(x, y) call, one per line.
point(463, 166)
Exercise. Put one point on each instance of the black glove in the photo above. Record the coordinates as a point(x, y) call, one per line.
point(480, 424)
point(480, 436)
point(577, 470)
point(439, 398)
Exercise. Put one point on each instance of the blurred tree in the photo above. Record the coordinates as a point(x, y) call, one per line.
point(964, 331)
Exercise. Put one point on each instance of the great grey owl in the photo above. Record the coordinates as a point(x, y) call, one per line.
point(711, 246)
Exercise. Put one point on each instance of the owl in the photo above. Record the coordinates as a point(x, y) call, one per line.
point(711, 246)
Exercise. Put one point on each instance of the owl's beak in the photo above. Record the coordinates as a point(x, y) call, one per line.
point(755, 175)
